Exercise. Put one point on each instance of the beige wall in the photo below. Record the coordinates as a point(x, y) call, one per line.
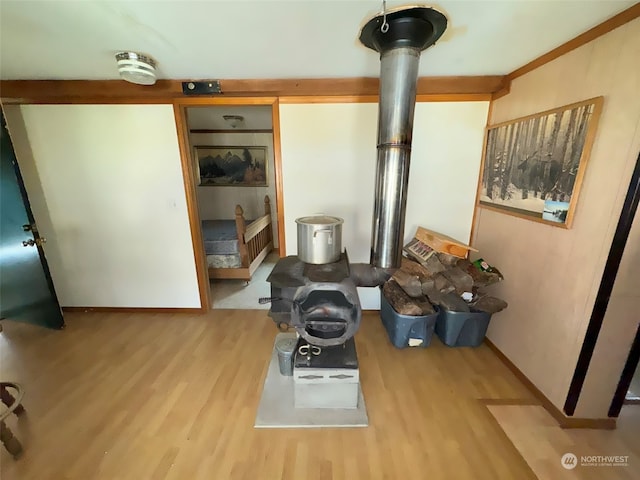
point(551, 274)
point(219, 203)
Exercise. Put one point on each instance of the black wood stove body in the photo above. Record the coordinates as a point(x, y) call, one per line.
point(320, 301)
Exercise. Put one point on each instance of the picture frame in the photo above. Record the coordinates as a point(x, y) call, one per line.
point(532, 167)
point(224, 166)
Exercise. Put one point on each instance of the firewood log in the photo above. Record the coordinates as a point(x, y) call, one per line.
point(403, 303)
point(409, 283)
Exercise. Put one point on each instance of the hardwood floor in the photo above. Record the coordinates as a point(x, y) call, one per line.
point(174, 396)
point(543, 443)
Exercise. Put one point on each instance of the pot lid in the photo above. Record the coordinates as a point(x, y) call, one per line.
point(320, 220)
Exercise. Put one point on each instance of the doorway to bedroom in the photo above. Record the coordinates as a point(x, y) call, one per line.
point(234, 172)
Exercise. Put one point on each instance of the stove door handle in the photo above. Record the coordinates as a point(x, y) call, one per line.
point(263, 300)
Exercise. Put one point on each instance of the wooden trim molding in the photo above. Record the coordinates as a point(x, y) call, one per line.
point(476, 205)
point(454, 97)
point(204, 130)
point(215, 100)
point(614, 22)
point(192, 208)
point(444, 97)
point(130, 310)
point(508, 401)
point(556, 413)
point(277, 162)
point(306, 99)
point(168, 91)
point(501, 93)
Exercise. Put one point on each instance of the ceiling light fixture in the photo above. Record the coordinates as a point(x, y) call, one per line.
point(136, 68)
point(233, 120)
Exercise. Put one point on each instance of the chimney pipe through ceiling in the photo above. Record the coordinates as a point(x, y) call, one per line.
point(399, 35)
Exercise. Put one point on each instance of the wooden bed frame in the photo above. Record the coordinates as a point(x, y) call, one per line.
point(255, 242)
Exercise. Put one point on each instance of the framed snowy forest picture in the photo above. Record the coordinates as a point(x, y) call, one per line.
point(533, 166)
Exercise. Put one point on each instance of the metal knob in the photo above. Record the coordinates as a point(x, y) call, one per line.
point(31, 242)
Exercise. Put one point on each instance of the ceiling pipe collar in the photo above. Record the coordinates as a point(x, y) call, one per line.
point(412, 27)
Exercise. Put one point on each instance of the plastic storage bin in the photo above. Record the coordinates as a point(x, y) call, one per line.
point(403, 328)
point(462, 329)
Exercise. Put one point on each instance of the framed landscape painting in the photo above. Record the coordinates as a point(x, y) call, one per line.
point(231, 166)
point(533, 166)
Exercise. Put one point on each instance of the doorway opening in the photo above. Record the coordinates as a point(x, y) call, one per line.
point(632, 396)
point(232, 149)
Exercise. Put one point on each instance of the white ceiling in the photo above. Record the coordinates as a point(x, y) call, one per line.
point(211, 118)
point(216, 39)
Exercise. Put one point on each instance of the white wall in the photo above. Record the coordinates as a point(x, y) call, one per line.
point(328, 165)
point(110, 200)
point(552, 275)
point(216, 203)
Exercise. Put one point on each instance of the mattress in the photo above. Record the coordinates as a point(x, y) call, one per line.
point(220, 237)
point(224, 261)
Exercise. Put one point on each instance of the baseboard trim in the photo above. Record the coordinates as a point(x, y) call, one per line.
point(131, 310)
point(508, 401)
point(556, 413)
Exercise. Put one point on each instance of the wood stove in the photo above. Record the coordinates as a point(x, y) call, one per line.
point(321, 301)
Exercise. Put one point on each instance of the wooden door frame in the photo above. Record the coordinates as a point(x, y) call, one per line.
point(180, 106)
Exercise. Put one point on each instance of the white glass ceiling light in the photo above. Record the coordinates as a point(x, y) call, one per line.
point(136, 68)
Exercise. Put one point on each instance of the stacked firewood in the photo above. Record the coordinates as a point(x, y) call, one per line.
point(453, 283)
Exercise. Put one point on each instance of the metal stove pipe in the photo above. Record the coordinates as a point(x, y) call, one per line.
point(400, 36)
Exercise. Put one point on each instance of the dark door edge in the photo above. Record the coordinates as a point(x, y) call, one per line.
point(36, 234)
point(625, 378)
point(604, 291)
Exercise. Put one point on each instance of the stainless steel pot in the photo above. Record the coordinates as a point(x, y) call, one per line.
point(319, 239)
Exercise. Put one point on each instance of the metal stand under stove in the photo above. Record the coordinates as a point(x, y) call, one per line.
point(326, 377)
point(321, 302)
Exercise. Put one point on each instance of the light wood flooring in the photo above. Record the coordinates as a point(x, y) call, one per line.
point(143, 396)
point(543, 443)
